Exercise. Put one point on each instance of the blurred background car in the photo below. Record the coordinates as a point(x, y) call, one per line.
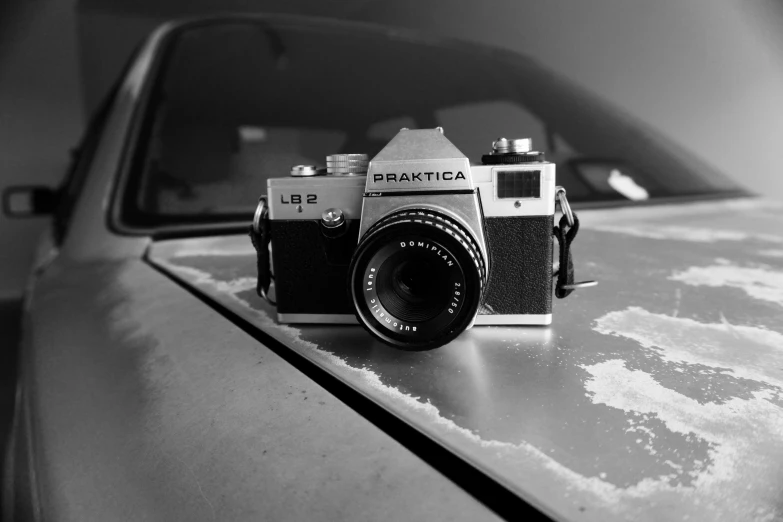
point(706, 74)
point(181, 148)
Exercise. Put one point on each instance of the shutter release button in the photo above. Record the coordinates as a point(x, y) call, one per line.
point(332, 217)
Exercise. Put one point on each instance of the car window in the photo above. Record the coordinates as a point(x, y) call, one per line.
point(239, 102)
point(469, 125)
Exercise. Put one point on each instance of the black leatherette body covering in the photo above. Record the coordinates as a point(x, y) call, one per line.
point(520, 273)
point(310, 268)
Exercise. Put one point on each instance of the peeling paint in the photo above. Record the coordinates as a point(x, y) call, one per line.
point(604, 490)
point(735, 429)
point(214, 246)
point(759, 282)
point(745, 351)
point(667, 409)
point(232, 287)
point(705, 493)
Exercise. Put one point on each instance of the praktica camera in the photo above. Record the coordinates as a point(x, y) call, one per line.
point(416, 244)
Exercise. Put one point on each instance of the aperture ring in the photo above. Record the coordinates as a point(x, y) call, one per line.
point(441, 222)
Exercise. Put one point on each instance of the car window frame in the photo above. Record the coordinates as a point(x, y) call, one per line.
point(82, 155)
point(144, 117)
point(134, 148)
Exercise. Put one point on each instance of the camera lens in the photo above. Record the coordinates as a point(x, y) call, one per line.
point(411, 287)
point(416, 279)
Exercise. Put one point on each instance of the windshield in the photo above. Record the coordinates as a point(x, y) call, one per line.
point(240, 102)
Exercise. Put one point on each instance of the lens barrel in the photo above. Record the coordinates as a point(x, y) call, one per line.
point(416, 279)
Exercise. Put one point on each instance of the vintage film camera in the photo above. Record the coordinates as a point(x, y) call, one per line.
point(418, 245)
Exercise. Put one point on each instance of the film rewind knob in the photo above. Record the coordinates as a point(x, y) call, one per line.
point(519, 146)
point(303, 171)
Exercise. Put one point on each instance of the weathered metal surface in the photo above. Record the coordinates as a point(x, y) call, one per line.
point(146, 404)
point(655, 396)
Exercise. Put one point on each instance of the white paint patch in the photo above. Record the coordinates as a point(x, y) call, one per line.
point(199, 277)
point(683, 233)
point(238, 285)
point(744, 351)
point(742, 482)
point(759, 282)
point(206, 247)
point(523, 465)
point(523, 453)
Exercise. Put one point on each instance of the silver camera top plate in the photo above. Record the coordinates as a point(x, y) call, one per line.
point(419, 160)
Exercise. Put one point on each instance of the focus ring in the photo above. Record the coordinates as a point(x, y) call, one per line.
point(371, 285)
point(441, 222)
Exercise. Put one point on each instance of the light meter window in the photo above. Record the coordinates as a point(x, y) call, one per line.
point(518, 185)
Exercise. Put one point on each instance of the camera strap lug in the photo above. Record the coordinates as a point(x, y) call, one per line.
point(565, 233)
point(259, 236)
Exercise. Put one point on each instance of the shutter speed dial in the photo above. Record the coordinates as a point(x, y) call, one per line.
point(347, 164)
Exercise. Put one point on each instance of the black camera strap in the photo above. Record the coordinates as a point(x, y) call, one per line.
point(565, 234)
point(260, 242)
point(259, 236)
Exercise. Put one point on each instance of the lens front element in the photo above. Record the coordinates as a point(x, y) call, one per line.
point(410, 284)
point(413, 287)
point(416, 279)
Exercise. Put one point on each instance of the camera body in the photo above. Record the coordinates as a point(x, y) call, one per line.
point(422, 246)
